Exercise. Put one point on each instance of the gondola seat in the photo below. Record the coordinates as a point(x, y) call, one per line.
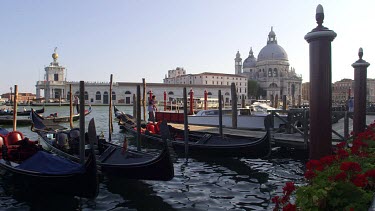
point(13, 138)
point(2, 140)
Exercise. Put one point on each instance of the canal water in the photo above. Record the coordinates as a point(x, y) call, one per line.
point(199, 184)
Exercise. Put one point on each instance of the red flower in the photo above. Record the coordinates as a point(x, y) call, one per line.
point(360, 180)
point(370, 173)
point(309, 174)
point(314, 165)
point(327, 160)
point(341, 145)
point(350, 166)
point(275, 200)
point(289, 188)
point(342, 153)
point(341, 176)
point(290, 207)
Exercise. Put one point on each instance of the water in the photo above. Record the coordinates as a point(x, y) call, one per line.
point(199, 184)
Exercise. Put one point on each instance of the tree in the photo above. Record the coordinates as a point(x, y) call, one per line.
point(252, 89)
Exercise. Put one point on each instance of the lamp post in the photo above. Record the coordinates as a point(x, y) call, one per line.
point(10, 97)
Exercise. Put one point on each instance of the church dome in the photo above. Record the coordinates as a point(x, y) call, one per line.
point(272, 51)
point(250, 61)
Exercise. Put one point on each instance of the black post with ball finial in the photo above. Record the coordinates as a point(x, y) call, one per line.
point(360, 90)
point(319, 40)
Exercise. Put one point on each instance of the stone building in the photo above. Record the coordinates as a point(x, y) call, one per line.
point(55, 87)
point(272, 71)
point(179, 76)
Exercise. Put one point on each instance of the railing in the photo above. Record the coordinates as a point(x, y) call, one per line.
point(297, 121)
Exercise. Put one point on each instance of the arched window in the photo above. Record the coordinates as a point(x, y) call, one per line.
point(209, 93)
point(273, 85)
point(98, 96)
point(113, 95)
point(86, 95)
point(269, 72)
point(226, 93)
point(274, 72)
point(128, 93)
point(77, 93)
point(170, 93)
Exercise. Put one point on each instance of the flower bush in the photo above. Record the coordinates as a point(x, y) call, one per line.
point(342, 181)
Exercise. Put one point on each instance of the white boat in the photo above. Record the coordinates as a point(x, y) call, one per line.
point(251, 117)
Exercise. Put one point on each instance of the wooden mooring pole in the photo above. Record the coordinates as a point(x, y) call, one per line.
point(144, 99)
point(186, 124)
point(360, 92)
point(220, 114)
point(234, 105)
point(138, 117)
point(319, 40)
point(82, 121)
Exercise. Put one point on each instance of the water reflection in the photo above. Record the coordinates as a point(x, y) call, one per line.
point(199, 184)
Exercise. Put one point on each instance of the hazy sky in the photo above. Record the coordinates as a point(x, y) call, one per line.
point(135, 39)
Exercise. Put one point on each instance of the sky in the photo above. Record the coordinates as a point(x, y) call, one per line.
point(135, 39)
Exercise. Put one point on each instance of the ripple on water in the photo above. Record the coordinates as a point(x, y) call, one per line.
point(200, 184)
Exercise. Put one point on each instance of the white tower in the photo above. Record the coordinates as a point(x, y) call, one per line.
point(54, 78)
point(238, 63)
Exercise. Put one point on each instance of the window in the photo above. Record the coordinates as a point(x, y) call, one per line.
point(68, 96)
point(274, 72)
point(128, 93)
point(113, 95)
point(86, 96)
point(209, 93)
point(98, 96)
point(270, 72)
point(55, 77)
point(170, 93)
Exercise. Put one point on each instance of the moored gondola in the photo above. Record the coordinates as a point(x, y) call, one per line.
point(112, 159)
point(21, 113)
point(40, 171)
point(56, 118)
point(202, 144)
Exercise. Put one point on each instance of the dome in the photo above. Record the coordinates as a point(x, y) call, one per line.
point(272, 51)
point(250, 61)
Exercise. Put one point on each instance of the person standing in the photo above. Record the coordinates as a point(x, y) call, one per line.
point(151, 109)
point(76, 103)
point(351, 104)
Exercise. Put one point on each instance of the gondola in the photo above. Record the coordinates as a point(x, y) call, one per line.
point(56, 118)
point(112, 159)
point(21, 113)
point(8, 120)
point(203, 144)
point(39, 171)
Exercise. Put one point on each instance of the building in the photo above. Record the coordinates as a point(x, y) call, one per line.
point(271, 70)
point(22, 97)
point(343, 89)
point(179, 76)
point(306, 92)
point(55, 87)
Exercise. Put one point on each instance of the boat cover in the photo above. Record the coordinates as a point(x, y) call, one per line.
point(3, 131)
point(47, 163)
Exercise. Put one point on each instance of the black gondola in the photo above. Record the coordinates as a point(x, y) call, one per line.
point(56, 118)
point(21, 113)
point(203, 144)
point(40, 171)
point(112, 159)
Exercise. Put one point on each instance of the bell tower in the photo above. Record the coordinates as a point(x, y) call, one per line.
point(238, 63)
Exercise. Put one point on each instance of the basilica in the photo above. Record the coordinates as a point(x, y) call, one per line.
point(272, 72)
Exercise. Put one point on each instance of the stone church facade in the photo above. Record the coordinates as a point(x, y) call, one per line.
point(272, 72)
